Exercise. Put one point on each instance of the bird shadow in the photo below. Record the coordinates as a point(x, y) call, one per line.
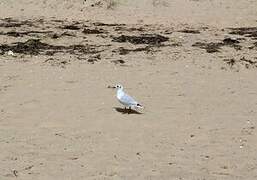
point(126, 111)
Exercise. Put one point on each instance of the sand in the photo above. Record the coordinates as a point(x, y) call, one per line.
point(192, 64)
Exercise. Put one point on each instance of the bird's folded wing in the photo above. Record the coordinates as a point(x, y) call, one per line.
point(128, 99)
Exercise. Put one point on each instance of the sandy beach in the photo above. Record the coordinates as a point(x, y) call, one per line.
point(191, 63)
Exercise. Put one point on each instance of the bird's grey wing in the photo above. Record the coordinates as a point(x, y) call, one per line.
point(128, 100)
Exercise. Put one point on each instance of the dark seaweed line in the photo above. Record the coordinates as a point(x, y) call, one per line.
point(35, 47)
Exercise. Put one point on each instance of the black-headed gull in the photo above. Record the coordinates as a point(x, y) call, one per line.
point(125, 99)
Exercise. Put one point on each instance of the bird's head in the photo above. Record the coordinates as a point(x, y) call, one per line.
point(118, 86)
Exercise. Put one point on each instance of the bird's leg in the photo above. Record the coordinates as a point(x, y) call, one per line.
point(129, 110)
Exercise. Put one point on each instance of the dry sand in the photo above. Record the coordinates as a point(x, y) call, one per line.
point(195, 76)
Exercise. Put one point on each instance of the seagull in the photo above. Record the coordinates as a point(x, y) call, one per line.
point(125, 99)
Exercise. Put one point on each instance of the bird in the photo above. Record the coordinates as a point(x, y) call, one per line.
point(125, 99)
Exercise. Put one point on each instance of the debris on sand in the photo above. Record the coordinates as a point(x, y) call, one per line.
point(254, 46)
point(248, 63)
point(132, 29)
point(15, 173)
point(153, 39)
point(56, 62)
point(10, 53)
point(93, 31)
point(10, 23)
point(243, 61)
point(94, 58)
point(124, 51)
point(104, 24)
point(35, 47)
point(209, 47)
point(232, 42)
point(31, 37)
point(70, 27)
point(21, 34)
point(119, 61)
point(190, 31)
point(213, 47)
point(229, 41)
point(230, 62)
point(245, 31)
point(31, 46)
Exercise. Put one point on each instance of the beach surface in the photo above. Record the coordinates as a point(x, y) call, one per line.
point(192, 64)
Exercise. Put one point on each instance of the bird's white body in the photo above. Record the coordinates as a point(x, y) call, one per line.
point(125, 99)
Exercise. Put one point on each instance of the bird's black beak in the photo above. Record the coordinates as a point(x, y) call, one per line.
point(113, 87)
